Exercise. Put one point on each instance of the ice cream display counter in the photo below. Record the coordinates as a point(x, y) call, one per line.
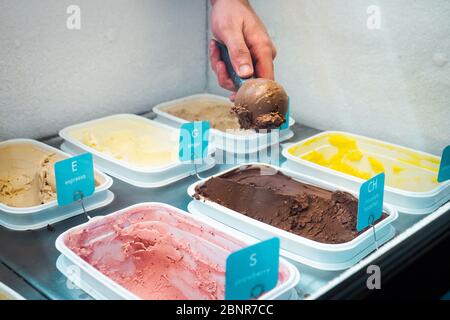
point(224, 150)
point(321, 268)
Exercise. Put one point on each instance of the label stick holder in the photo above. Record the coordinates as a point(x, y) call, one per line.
point(372, 225)
point(78, 197)
point(192, 146)
point(196, 172)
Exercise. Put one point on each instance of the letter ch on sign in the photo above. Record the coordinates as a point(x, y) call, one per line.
point(370, 204)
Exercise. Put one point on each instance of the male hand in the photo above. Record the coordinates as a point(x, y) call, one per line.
point(251, 50)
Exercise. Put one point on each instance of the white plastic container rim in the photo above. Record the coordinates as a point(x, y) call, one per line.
point(195, 209)
point(112, 286)
point(243, 136)
point(340, 176)
point(138, 176)
point(154, 182)
point(95, 289)
point(255, 225)
point(9, 293)
point(107, 181)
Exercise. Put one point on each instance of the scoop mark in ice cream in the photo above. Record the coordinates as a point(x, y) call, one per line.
point(278, 200)
point(26, 176)
point(261, 104)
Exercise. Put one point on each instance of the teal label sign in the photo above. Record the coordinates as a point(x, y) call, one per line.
point(252, 271)
point(74, 179)
point(285, 125)
point(370, 204)
point(444, 168)
point(194, 140)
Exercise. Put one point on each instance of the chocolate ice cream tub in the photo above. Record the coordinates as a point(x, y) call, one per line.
point(31, 216)
point(348, 160)
point(134, 149)
point(109, 257)
point(208, 107)
point(337, 248)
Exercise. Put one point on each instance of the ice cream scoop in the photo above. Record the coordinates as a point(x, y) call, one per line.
point(260, 103)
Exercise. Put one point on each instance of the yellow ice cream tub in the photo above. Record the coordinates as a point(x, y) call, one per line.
point(349, 159)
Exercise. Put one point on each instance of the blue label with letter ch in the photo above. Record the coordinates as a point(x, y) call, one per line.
point(194, 140)
point(370, 204)
point(74, 179)
point(444, 168)
point(252, 271)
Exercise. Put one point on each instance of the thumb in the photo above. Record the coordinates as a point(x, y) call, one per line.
point(239, 54)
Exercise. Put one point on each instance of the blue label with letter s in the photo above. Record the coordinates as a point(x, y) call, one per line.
point(252, 271)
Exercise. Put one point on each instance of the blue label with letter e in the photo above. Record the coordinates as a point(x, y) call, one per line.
point(370, 204)
point(74, 179)
point(194, 140)
point(444, 168)
point(252, 271)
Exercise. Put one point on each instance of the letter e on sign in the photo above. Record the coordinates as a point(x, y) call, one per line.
point(74, 166)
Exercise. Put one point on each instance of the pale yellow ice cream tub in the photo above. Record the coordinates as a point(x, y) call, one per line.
point(132, 148)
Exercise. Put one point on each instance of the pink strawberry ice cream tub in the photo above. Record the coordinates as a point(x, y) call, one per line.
point(155, 251)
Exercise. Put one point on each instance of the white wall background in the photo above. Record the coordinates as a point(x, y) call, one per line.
point(128, 56)
point(392, 83)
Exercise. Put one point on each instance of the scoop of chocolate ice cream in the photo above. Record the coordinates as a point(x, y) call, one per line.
point(261, 104)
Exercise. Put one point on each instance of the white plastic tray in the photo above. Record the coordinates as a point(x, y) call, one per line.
point(9, 293)
point(406, 201)
point(318, 255)
point(140, 177)
point(101, 287)
point(39, 216)
point(247, 142)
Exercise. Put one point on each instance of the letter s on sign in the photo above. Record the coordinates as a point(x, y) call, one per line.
point(253, 260)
